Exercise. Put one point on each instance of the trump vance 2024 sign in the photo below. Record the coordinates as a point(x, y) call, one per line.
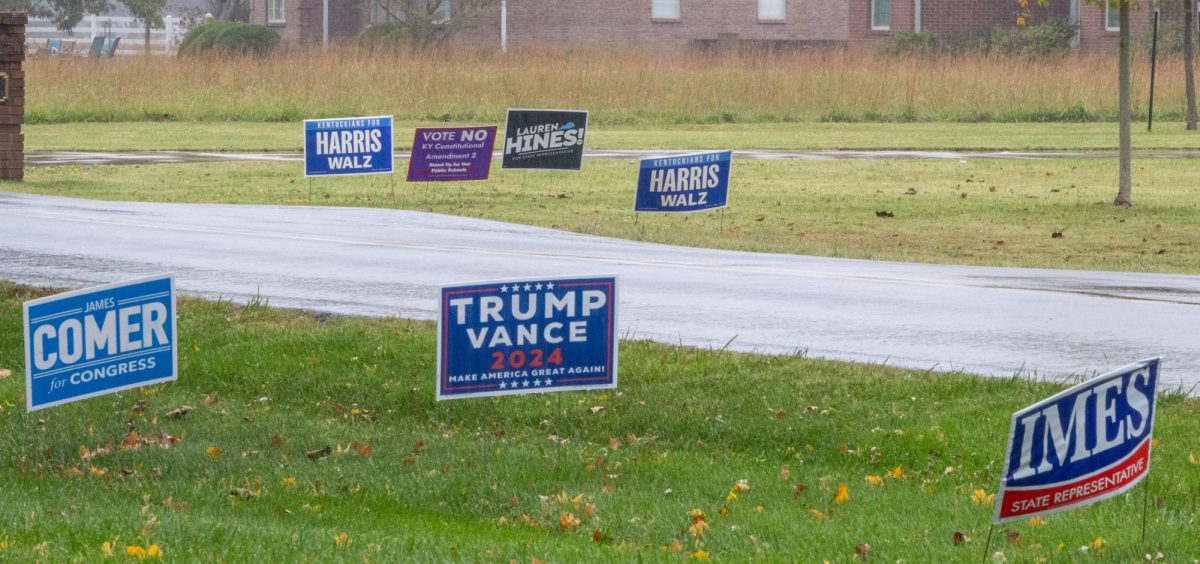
point(345, 146)
point(99, 340)
point(1086, 444)
point(527, 336)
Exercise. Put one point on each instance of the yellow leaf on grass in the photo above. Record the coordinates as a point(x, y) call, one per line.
point(289, 482)
point(214, 452)
point(342, 540)
point(896, 473)
point(153, 551)
point(875, 480)
point(1098, 543)
point(981, 497)
point(817, 514)
point(700, 555)
point(136, 552)
point(842, 495)
point(106, 548)
point(732, 496)
point(1037, 522)
point(568, 521)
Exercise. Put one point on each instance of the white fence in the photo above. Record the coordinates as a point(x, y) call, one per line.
point(132, 33)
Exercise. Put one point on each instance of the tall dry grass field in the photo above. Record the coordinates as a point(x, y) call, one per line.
point(618, 87)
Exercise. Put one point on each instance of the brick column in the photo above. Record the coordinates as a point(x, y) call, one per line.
point(12, 109)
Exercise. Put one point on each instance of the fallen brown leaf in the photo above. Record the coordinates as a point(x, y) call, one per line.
point(862, 551)
point(180, 411)
point(5, 373)
point(958, 538)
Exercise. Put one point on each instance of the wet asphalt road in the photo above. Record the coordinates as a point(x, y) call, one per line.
point(993, 321)
point(52, 158)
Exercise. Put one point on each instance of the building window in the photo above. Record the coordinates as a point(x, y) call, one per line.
point(1112, 18)
point(276, 13)
point(881, 14)
point(664, 9)
point(772, 9)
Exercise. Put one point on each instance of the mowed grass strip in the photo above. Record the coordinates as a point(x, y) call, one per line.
point(614, 475)
point(230, 136)
point(976, 212)
point(618, 86)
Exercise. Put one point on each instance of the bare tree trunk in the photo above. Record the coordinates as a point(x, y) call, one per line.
point(1125, 189)
point(147, 37)
point(1189, 56)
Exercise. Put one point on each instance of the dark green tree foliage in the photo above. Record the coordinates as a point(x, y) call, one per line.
point(229, 38)
point(67, 13)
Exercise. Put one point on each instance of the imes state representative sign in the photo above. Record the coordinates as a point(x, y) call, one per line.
point(1085, 444)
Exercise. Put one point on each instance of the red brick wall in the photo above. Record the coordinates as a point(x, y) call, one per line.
point(12, 111)
point(618, 23)
point(1094, 36)
point(303, 23)
point(948, 17)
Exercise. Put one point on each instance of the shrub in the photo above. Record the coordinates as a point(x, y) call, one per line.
point(908, 43)
point(1052, 38)
point(417, 34)
point(230, 38)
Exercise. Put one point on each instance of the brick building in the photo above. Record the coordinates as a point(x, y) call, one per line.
point(705, 23)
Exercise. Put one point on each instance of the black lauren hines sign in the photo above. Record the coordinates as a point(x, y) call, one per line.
point(545, 139)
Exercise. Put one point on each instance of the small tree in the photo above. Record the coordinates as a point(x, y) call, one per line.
point(230, 10)
point(1125, 167)
point(1189, 57)
point(67, 13)
point(424, 23)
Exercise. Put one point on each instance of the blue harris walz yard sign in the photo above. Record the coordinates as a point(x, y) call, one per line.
point(1080, 446)
point(527, 336)
point(99, 340)
point(339, 147)
point(684, 183)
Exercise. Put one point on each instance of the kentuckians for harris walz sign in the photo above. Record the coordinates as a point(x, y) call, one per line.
point(545, 139)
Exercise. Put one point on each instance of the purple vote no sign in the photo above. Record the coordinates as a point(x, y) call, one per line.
point(451, 153)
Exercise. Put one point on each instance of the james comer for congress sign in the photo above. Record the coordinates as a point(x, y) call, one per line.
point(1085, 444)
point(99, 340)
point(335, 147)
point(527, 336)
point(684, 183)
point(545, 139)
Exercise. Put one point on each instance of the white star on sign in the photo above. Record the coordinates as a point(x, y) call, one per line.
point(526, 383)
point(549, 285)
point(527, 287)
point(538, 287)
point(504, 289)
point(548, 381)
point(503, 385)
point(537, 383)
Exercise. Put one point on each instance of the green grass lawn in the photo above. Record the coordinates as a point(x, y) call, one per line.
point(243, 136)
point(979, 212)
point(599, 476)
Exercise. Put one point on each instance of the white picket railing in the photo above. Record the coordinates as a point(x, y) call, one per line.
point(132, 33)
